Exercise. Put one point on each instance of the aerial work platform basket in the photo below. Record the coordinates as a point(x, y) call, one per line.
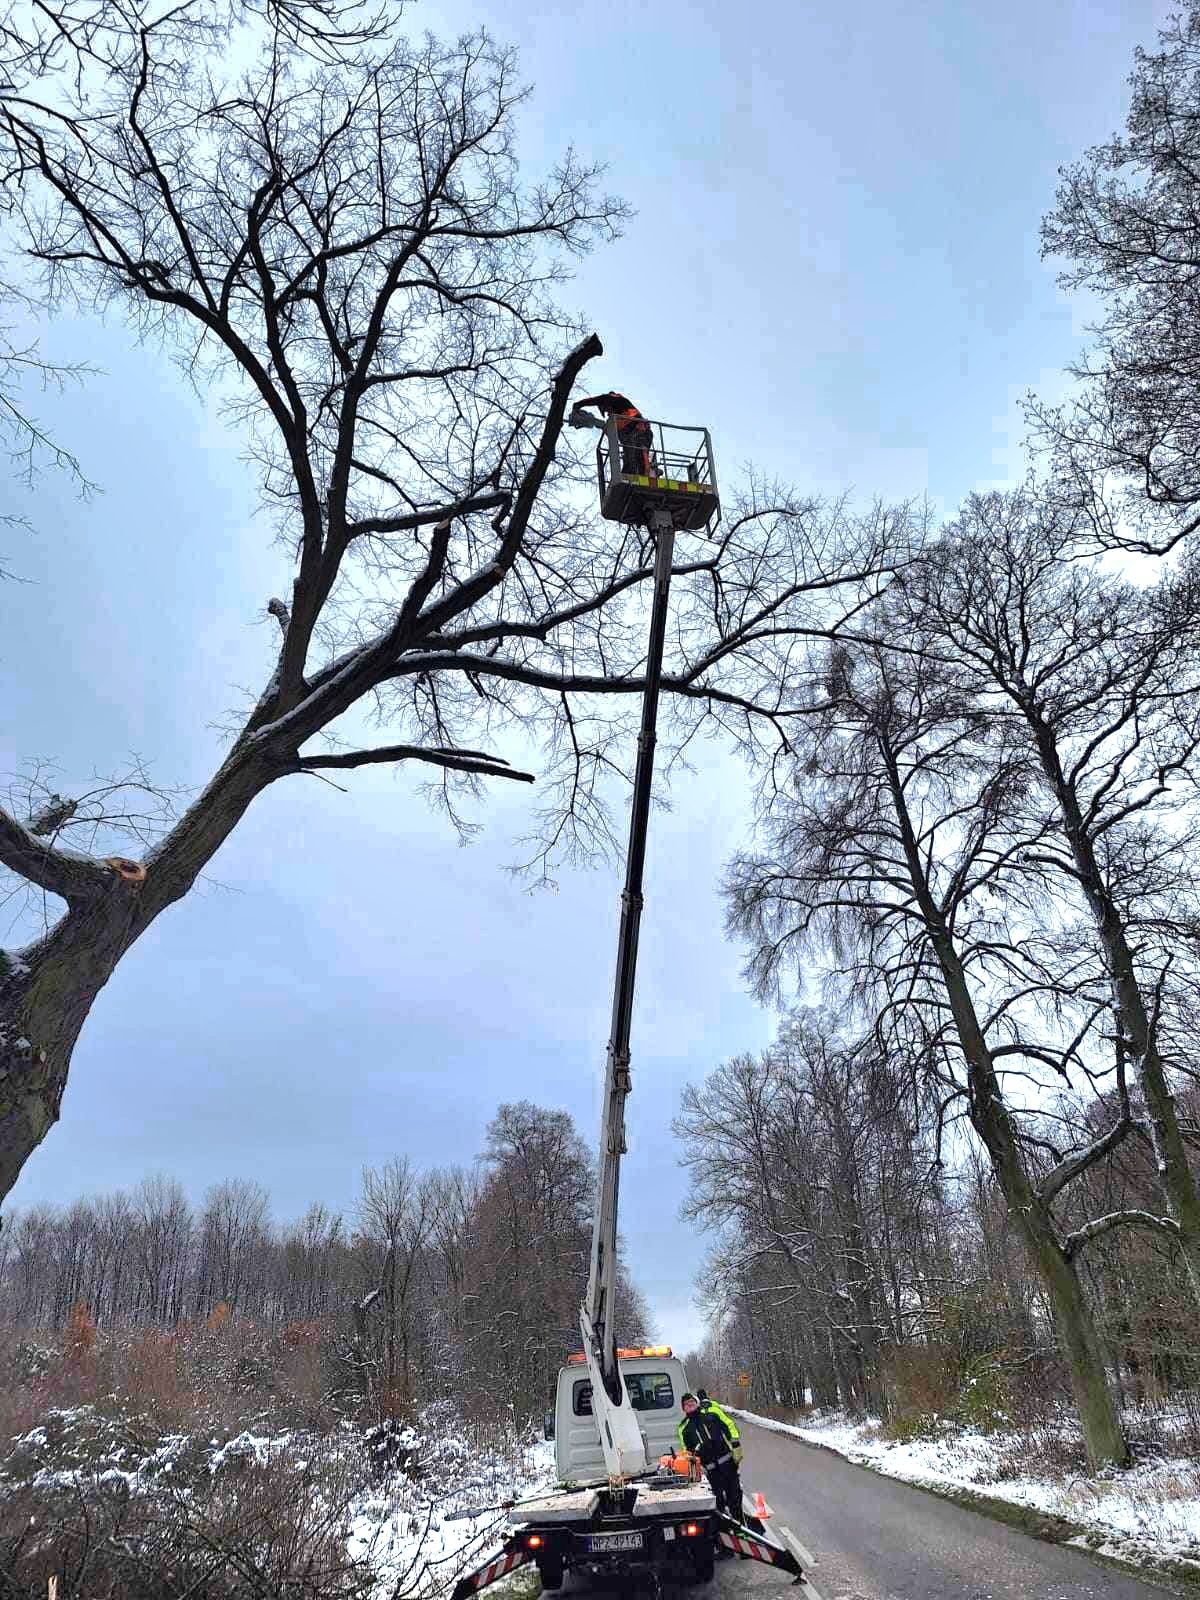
point(652, 467)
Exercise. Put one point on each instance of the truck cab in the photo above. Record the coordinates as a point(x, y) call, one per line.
point(655, 1383)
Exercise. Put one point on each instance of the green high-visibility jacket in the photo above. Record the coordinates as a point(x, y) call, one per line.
point(710, 1408)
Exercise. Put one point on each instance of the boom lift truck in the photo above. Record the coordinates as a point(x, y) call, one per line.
point(621, 1510)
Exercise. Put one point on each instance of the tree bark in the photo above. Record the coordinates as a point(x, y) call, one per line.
point(47, 992)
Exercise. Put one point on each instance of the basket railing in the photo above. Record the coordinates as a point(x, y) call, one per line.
point(646, 448)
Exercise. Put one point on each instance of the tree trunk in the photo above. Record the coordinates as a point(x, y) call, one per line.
point(991, 1119)
point(47, 992)
point(1170, 1152)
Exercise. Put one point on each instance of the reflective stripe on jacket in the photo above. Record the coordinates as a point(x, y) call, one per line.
point(725, 1420)
point(708, 1433)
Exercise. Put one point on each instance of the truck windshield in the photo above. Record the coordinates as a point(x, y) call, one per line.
point(647, 1391)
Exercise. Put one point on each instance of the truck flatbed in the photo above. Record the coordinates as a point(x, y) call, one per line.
point(566, 1505)
point(684, 1500)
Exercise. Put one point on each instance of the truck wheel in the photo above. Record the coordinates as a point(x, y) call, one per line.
point(551, 1574)
point(702, 1564)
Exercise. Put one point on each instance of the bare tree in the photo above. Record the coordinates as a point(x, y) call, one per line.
point(1101, 679)
point(1127, 221)
point(231, 1227)
point(338, 245)
point(531, 1236)
point(395, 1213)
point(309, 1270)
point(887, 857)
point(163, 1236)
point(42, 38)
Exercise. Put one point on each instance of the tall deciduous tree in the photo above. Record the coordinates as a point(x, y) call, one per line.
point(819, 1177)
point(1127, 222)
point(337, 241)
point(532, 1226)
point(889, 849)
point(395, 1214)
point(1101, 679)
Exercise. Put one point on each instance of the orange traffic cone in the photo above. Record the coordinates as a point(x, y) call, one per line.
point(761, 1509)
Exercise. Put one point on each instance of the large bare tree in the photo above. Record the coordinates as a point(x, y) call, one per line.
point(1126, 224)
point(895, 857)
point(1100, 677)
point(334, 238)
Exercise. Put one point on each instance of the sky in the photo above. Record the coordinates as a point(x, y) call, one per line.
point(834, 265)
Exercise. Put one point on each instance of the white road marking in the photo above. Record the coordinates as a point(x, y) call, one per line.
point(803, 1555)
point(807, 1589)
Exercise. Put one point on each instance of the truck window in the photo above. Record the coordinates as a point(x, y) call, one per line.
point(647, 1391)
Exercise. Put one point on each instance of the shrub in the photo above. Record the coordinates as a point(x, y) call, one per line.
point(920, 1382)
point(255, 1535)
point(984, 1401)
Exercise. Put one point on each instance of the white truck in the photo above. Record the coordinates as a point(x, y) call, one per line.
point(620, 1510)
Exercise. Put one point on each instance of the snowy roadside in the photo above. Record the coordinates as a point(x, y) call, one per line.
point(413, 1533)
point(1148, 1516)
point(391, 1498)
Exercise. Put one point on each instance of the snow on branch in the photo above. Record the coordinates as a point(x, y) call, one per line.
point(1074, 1242)
point(499, 500)
point(1079, 1160)
point(60, 872)
point(476, 761)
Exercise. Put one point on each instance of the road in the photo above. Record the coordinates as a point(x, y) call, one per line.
point(875, 1538)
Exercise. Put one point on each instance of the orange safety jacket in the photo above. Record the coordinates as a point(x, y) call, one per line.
point(616, 405)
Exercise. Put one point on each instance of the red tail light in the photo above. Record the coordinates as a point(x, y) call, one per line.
point(534, 1541)
point(690, 1530)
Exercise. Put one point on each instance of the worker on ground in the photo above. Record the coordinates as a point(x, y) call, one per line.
point(709, 1433)
point(633, 431)
point(726, 1421)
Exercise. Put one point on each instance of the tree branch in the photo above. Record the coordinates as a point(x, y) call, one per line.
point(500, 500)
point(476, 761)
point(1117, 1219)
point(61, 872)
point(1071, 1166)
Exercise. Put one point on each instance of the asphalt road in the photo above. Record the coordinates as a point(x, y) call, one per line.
point(875, 1538)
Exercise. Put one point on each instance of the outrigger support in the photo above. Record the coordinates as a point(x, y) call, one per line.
point(748, 1544)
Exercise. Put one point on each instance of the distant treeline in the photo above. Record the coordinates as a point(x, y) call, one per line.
point(452, 1282)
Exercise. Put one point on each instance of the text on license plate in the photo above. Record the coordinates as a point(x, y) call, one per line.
point(614, 1541)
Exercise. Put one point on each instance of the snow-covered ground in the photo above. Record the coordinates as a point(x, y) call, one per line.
point(404, 1522)
point(413, 1532)
point(1147, 1515)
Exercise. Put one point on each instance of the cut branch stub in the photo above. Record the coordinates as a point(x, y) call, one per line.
point(131, 872)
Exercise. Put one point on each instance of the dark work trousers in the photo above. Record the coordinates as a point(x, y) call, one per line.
point(725, 1482)
point(636, 441)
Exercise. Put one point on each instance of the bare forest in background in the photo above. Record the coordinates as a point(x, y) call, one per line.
point(855, 1271)
point(452, 1284)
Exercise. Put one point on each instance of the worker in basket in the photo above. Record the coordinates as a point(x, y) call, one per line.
point(710, 1433)
point(633, 431)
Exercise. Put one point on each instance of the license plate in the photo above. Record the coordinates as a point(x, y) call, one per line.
point(598, 1542)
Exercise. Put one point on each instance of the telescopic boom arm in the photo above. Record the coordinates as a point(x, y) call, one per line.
point(620, 1435)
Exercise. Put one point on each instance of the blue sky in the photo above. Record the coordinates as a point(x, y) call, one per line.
point(834, 264)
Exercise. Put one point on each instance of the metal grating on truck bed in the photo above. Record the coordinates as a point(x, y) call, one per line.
point(688, 1500)
point(571, 1506)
